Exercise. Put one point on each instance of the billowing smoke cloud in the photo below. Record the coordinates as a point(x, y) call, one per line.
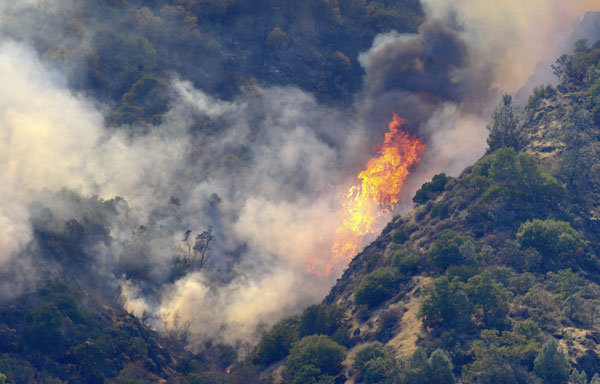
point(263, 169)
point(446, 80)
point(513, 34)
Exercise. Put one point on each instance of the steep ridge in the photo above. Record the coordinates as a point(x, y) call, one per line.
point(492, 267)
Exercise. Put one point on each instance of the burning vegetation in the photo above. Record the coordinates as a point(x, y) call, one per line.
point(368, 203)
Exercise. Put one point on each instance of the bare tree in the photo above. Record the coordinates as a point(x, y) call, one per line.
point(196, 253)
point(176, 334)
point(201, 246)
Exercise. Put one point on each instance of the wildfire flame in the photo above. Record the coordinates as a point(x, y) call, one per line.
point(378, 192)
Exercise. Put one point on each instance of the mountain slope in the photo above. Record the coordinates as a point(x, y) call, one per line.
point(494, 266)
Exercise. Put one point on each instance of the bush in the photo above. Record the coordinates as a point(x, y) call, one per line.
point(387, 324)
point(400, 237)
point(376, 287)
point(539, 93)
point(321, 319)
point(366, 353)
point(275, 344)
point(504, 357)
point(554, 240)
point(447, 249)
point(17, 370)
point(513, 188)
point(373, 363)
point(430, 190)
point(446, 305)
point(416, 368)
point(315, 356)
point(44, 331)
point(406, 261)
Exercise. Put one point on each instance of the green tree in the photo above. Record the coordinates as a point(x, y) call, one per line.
point(44, 327)
point(407, 261)
point(503, 129)
point(595, 379)
point(318, 351)
point(551, 364)
point(491, 297)
point(417, 367)
point(504, 357)
point(578, 377)
point(446, 304)
point(440, 368)
point(366, 353)
point(379, 370)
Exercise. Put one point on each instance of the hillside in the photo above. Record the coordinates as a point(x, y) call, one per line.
point(491, 267)
point(166, 125)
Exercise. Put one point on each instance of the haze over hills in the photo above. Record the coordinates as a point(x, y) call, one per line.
point(171, 182)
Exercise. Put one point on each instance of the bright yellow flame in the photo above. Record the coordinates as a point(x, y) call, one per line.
point(376, 195)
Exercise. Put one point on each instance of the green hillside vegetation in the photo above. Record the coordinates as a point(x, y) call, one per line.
point(508, 252)
point(123, 51)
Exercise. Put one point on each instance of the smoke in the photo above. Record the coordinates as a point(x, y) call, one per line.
point(513, 34)
point(446, 79)
point(263, 169)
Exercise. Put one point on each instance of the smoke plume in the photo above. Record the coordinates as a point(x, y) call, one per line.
point(263, 170)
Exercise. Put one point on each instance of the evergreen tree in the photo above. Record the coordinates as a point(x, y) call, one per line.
point(551, 364)
point(503, 129)
point(440, 368)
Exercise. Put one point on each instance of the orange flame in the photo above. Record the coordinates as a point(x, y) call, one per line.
point(378, 192)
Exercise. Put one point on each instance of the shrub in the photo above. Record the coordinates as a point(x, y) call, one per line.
point(44, 330)
point(513, 188)
point(322, 319)
point(315, 356)
point(447, 249)
point(431, 189)
point(374, 363)
point(275, 344)
point(503, 357)
point(366, 353)
point(539, 93)
point(446, 304)
point(388, 322)
point(405, 260)
point(416, 367)
point(376, 287)
point(400, 237)
point(554, 240)
point(17, 370)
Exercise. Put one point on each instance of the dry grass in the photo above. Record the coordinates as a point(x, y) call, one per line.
point(405, 341)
